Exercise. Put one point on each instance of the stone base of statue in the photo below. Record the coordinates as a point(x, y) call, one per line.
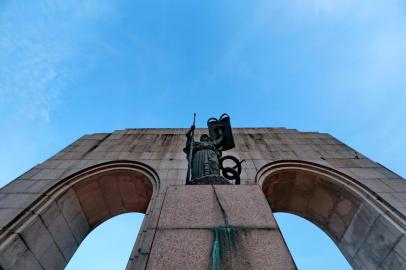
point(209, 180)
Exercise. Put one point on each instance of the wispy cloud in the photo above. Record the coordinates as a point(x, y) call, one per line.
point(30, 78)
point(38, 42)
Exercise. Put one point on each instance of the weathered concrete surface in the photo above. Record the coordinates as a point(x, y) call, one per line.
point(217, 227)
point(161, 151)
point(313, 197)
point(49, 233)
point(367, 232)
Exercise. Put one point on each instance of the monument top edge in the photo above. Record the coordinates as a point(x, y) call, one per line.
point(177, 131)
point(203, 130)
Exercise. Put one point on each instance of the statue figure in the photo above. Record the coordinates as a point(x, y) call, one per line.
point(205, 157)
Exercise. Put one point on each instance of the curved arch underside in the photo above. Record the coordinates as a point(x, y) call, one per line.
point(104, 196)
point(368, 233)
point(313, 197)
point(49, 233)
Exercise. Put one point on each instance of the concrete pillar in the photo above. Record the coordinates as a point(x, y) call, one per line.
point(217, 227)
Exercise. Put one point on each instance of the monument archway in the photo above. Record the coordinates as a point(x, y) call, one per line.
point(52, 228)
point(365, 228)
point(359, 203)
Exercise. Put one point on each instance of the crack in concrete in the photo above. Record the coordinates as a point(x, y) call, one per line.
point(221, 207)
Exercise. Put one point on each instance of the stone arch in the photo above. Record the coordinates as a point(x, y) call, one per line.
point(48, 232)
point(369, 231)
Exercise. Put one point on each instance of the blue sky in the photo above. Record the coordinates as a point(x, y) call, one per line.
point(72, 67)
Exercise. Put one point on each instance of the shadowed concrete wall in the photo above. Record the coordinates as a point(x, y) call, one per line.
point(46, 234)
point(160, 163)
point(367, 230)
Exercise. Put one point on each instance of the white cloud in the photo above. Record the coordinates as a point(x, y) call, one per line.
point(30, 80)
point(38, 43)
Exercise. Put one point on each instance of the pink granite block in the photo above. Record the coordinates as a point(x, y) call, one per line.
point(220, 248)
point(190, 207)
point(245, 206)
point(181, 250)
point(263, 250)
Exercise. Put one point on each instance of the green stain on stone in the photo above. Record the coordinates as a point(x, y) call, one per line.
point(215, 252)
point(224, 248)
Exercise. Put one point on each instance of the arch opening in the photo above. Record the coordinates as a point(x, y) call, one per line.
point(51, 230)
point(109, 245)
point(365, 230)
point(310, 247)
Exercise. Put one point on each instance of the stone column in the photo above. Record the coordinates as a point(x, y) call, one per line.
point(217, 227)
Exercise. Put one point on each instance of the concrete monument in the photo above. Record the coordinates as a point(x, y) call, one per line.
point(47, 212)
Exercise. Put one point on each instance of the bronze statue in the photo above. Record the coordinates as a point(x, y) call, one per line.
point(205, 161)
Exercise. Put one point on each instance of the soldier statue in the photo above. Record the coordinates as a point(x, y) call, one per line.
point(205, 161)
